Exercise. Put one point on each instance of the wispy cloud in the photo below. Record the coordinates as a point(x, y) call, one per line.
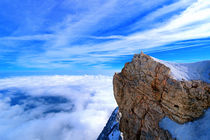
point(43, 37)
point(103, 31)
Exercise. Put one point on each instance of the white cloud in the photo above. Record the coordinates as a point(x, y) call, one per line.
point(29, 37)
point(192, 23)
point(91, 96)
point(152, 28)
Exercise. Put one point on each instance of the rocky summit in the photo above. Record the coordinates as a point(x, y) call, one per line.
point(146, 92)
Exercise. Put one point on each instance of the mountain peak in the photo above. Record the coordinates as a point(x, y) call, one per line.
point(147, 90)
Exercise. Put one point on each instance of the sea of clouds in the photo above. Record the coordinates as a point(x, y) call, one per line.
point(69, 108)
point(55, 107)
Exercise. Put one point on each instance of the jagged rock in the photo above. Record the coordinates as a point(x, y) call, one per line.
point(146, 92)
point(111, 130)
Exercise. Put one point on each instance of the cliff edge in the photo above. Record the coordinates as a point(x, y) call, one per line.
point(147, 90)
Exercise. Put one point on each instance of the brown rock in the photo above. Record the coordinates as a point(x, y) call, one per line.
point(145, 93)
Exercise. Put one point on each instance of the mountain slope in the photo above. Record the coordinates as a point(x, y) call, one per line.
point(111, 130)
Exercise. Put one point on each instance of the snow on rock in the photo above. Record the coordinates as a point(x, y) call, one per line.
point(146, 91)
point(198, 129)
point(111, 130)
point(189, 71)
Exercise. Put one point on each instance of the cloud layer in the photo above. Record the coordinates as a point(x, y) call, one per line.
point(55, 107)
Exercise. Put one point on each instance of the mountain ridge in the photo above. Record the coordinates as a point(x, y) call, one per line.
point(148, 89)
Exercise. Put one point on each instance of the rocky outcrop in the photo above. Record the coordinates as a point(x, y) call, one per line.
point(146, 92)
point(111, 130)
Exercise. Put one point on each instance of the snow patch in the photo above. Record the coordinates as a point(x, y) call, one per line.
point(196, 130)
point(189, 71)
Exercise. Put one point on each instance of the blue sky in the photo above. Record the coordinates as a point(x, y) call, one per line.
point(97, 36)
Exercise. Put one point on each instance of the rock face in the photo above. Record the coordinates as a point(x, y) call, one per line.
point(146, 93)
point(111, 130)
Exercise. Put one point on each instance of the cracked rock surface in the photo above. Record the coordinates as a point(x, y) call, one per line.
point(145, 93)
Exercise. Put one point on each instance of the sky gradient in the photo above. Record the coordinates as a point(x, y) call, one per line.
point(58, 57)
point(98, 37)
